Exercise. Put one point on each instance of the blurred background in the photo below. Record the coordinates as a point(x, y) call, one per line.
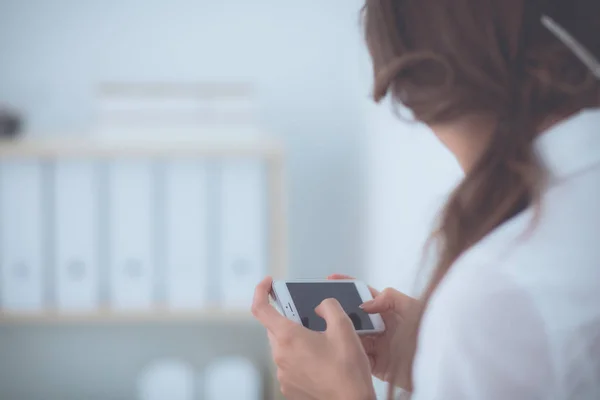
point(159, 158)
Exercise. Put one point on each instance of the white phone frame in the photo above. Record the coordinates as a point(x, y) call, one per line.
point(285, 305)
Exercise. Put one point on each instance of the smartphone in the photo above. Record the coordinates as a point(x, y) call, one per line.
point(297, 301)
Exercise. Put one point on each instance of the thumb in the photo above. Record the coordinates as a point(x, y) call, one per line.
point(334, 315)
point(388, 300)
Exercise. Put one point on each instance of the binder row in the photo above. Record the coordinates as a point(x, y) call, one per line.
point(79, 235)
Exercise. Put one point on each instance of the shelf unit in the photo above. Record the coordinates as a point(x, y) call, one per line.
point(78, 147)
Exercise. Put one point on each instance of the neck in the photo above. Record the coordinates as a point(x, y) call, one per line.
point(468, 137)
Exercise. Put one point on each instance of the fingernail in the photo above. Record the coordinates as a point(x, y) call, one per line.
point(367, 304)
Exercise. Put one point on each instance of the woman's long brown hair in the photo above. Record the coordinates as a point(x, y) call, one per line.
point(448, 59)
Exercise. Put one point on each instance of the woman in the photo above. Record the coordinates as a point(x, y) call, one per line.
point(512, 310)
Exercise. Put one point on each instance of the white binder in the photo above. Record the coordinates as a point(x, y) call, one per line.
point(131, 232)
point(186, 234)
point(21, 236)
point(243, 231)
point(76, 235)
point(232, 378)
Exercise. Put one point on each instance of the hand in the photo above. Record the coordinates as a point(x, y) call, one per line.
point(391, 354)
point(328, 365)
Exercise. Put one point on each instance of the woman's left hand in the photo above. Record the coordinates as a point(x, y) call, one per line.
point(312, 365)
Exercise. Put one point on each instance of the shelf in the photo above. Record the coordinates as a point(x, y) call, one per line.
point(80, 147)
point(158, 316)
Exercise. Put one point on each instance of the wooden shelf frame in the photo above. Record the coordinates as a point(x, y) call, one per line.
point(110, 148)
point(107, 316)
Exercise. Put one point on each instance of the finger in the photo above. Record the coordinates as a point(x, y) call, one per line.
point(334, 315)
point(264, 312)
point(271, 337)
point(337, 277)
point(388, 300)
point(372, 361)
point(374, 292)
point(368, 344)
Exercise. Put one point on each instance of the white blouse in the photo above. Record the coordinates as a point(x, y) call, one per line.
point(518, 316)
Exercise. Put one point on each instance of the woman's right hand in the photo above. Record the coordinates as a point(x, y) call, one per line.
point(391, 353)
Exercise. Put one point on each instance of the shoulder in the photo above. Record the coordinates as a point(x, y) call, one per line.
point(483, 336)
point(519, 313)
point(480, 290)
point(509, 311)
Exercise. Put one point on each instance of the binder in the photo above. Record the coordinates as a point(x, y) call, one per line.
point(243, 231)
point(220, 374)
point(76, 235)
point(21, 236)
point(186, 222)
point(131, 233)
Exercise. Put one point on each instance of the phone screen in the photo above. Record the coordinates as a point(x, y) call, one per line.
point(307, 296)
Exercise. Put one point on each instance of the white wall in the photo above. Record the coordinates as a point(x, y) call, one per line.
point(409, 175)
point(303, 57)
point(313, 75)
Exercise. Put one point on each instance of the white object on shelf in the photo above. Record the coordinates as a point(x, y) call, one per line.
point(232, 378)
point(243, 231)
point(76, 235)
point(21, 235)
point(160, 108)
point(131, 234)
point(186, 234)
point(167, 380)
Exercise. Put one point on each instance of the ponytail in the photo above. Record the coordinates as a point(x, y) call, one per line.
point(505, 181)
point(507, 177)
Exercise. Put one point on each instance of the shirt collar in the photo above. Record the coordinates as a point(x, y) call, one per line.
point(572, 145)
